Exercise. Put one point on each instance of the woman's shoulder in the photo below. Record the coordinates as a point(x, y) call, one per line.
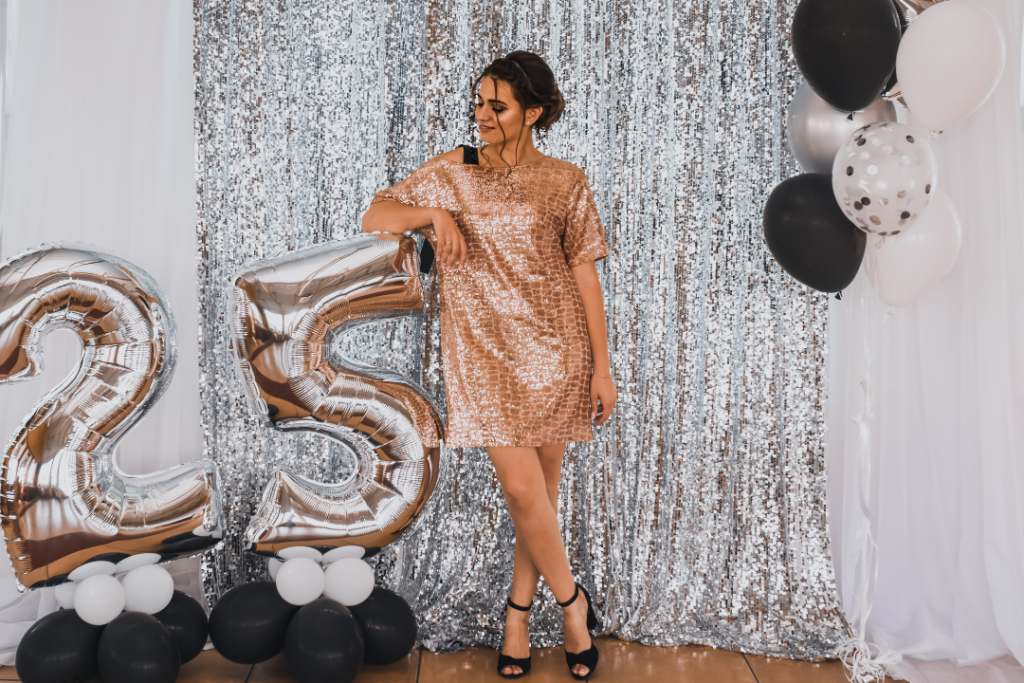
point(567, 167)
point(443, 159)
point(454, 156)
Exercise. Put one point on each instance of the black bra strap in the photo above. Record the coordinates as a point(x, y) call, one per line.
point(426, 257)
point(470, 155)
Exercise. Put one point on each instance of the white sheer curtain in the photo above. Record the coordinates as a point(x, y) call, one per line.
point(98, 101)
point(946, 380)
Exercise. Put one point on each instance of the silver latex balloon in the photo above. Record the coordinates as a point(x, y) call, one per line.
point(64, 500)
point(286, 310)
point(912, 8)
point(817, 130)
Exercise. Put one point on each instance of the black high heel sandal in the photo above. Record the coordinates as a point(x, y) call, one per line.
point(587, 658)
point(504, 660)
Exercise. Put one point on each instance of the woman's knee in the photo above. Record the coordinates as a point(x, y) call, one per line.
point(521, 493)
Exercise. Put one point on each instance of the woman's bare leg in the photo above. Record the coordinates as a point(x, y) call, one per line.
point(523, 484)
point(525, 575)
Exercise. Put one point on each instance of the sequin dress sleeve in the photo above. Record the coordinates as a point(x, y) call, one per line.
point(417, 188)
point(584, 238)
point(515, 350)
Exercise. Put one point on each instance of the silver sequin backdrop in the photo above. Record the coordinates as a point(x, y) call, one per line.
point(698, 514)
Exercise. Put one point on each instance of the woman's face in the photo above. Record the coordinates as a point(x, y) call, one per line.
point(497, 110)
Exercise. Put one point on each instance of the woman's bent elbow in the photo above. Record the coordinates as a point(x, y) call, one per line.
point(367, 221)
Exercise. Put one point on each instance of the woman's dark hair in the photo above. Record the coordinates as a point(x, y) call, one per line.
point(533, 85)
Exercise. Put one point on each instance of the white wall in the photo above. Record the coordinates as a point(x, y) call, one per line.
point(100, 150)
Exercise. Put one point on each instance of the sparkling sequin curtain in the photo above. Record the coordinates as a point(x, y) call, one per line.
point(698, 514)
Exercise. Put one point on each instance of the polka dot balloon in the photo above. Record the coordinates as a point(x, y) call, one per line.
point(884, 177)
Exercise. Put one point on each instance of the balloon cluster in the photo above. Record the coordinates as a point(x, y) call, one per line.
point(98, 591)
point(323, 639)
point(134, 646)
point(872, 182)
point(101, 532)
point(305, 574)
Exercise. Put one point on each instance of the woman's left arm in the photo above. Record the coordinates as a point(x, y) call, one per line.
point(602, 388)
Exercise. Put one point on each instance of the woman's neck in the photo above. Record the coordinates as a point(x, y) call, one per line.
point(527, 155)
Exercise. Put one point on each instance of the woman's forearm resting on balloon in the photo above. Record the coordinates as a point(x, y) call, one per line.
point(393, 216)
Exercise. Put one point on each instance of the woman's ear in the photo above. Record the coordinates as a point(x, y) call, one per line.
point(533, 114)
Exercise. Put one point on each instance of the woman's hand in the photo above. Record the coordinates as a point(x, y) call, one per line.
point(602, 398)
point(451, 245)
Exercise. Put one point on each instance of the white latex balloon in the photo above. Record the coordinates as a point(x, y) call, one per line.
point(135, 561)
point(92, 569)
point(884, 177)
point(904, 268)
point(949, 62)
point(300, 581)
point(148, 589)
point(348, 580)
point(273, 565)
point(65, 594)
point(343, 552)
point(98, 599)
point(300, 551)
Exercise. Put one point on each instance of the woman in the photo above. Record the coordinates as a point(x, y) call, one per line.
point(524, 344)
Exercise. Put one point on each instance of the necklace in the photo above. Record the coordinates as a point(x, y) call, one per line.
point(489, 165)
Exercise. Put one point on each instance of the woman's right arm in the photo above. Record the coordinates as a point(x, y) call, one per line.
point(393, 216)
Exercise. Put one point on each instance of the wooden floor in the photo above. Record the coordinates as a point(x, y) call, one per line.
point(620, 661)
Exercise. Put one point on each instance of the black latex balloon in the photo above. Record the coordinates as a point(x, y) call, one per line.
point(58, 648)
point(808, 234)
point(846, 49)
point(185, 619)
point(389, 626)
point(902, 17)
point(136, 648)
point(248, 624)
point(324, 643)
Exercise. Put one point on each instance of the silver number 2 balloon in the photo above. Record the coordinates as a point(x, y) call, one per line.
point(286, 311)
point(64, 500)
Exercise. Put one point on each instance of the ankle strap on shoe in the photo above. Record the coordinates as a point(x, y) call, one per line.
point(570, 600)
point(508, 601)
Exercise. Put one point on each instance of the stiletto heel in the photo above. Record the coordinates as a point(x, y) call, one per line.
point(523, 663)
point(587, 658)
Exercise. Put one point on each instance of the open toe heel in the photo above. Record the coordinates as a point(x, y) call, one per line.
point(587, 658)
point(523, 663)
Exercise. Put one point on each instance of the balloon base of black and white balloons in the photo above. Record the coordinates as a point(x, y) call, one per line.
point(322, 610)
point(127, 646)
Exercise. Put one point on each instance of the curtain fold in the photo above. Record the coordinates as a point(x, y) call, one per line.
point(946, 493)
point(98, 115)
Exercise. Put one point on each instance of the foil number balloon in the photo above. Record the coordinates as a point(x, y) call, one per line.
point(286, 310)
point(64, 501)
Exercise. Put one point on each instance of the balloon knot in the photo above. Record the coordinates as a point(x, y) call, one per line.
point(839, 295)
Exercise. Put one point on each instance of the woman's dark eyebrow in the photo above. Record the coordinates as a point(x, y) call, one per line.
point(493, 101)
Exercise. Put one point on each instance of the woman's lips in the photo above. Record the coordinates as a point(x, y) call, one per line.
point(482, 127)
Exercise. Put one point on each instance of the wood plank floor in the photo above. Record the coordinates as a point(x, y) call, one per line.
point(621, 662)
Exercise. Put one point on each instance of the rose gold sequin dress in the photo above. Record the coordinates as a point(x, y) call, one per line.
point(514, 343)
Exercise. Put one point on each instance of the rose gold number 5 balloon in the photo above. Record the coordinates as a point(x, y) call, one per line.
point(64, 501)
point(286, 310)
